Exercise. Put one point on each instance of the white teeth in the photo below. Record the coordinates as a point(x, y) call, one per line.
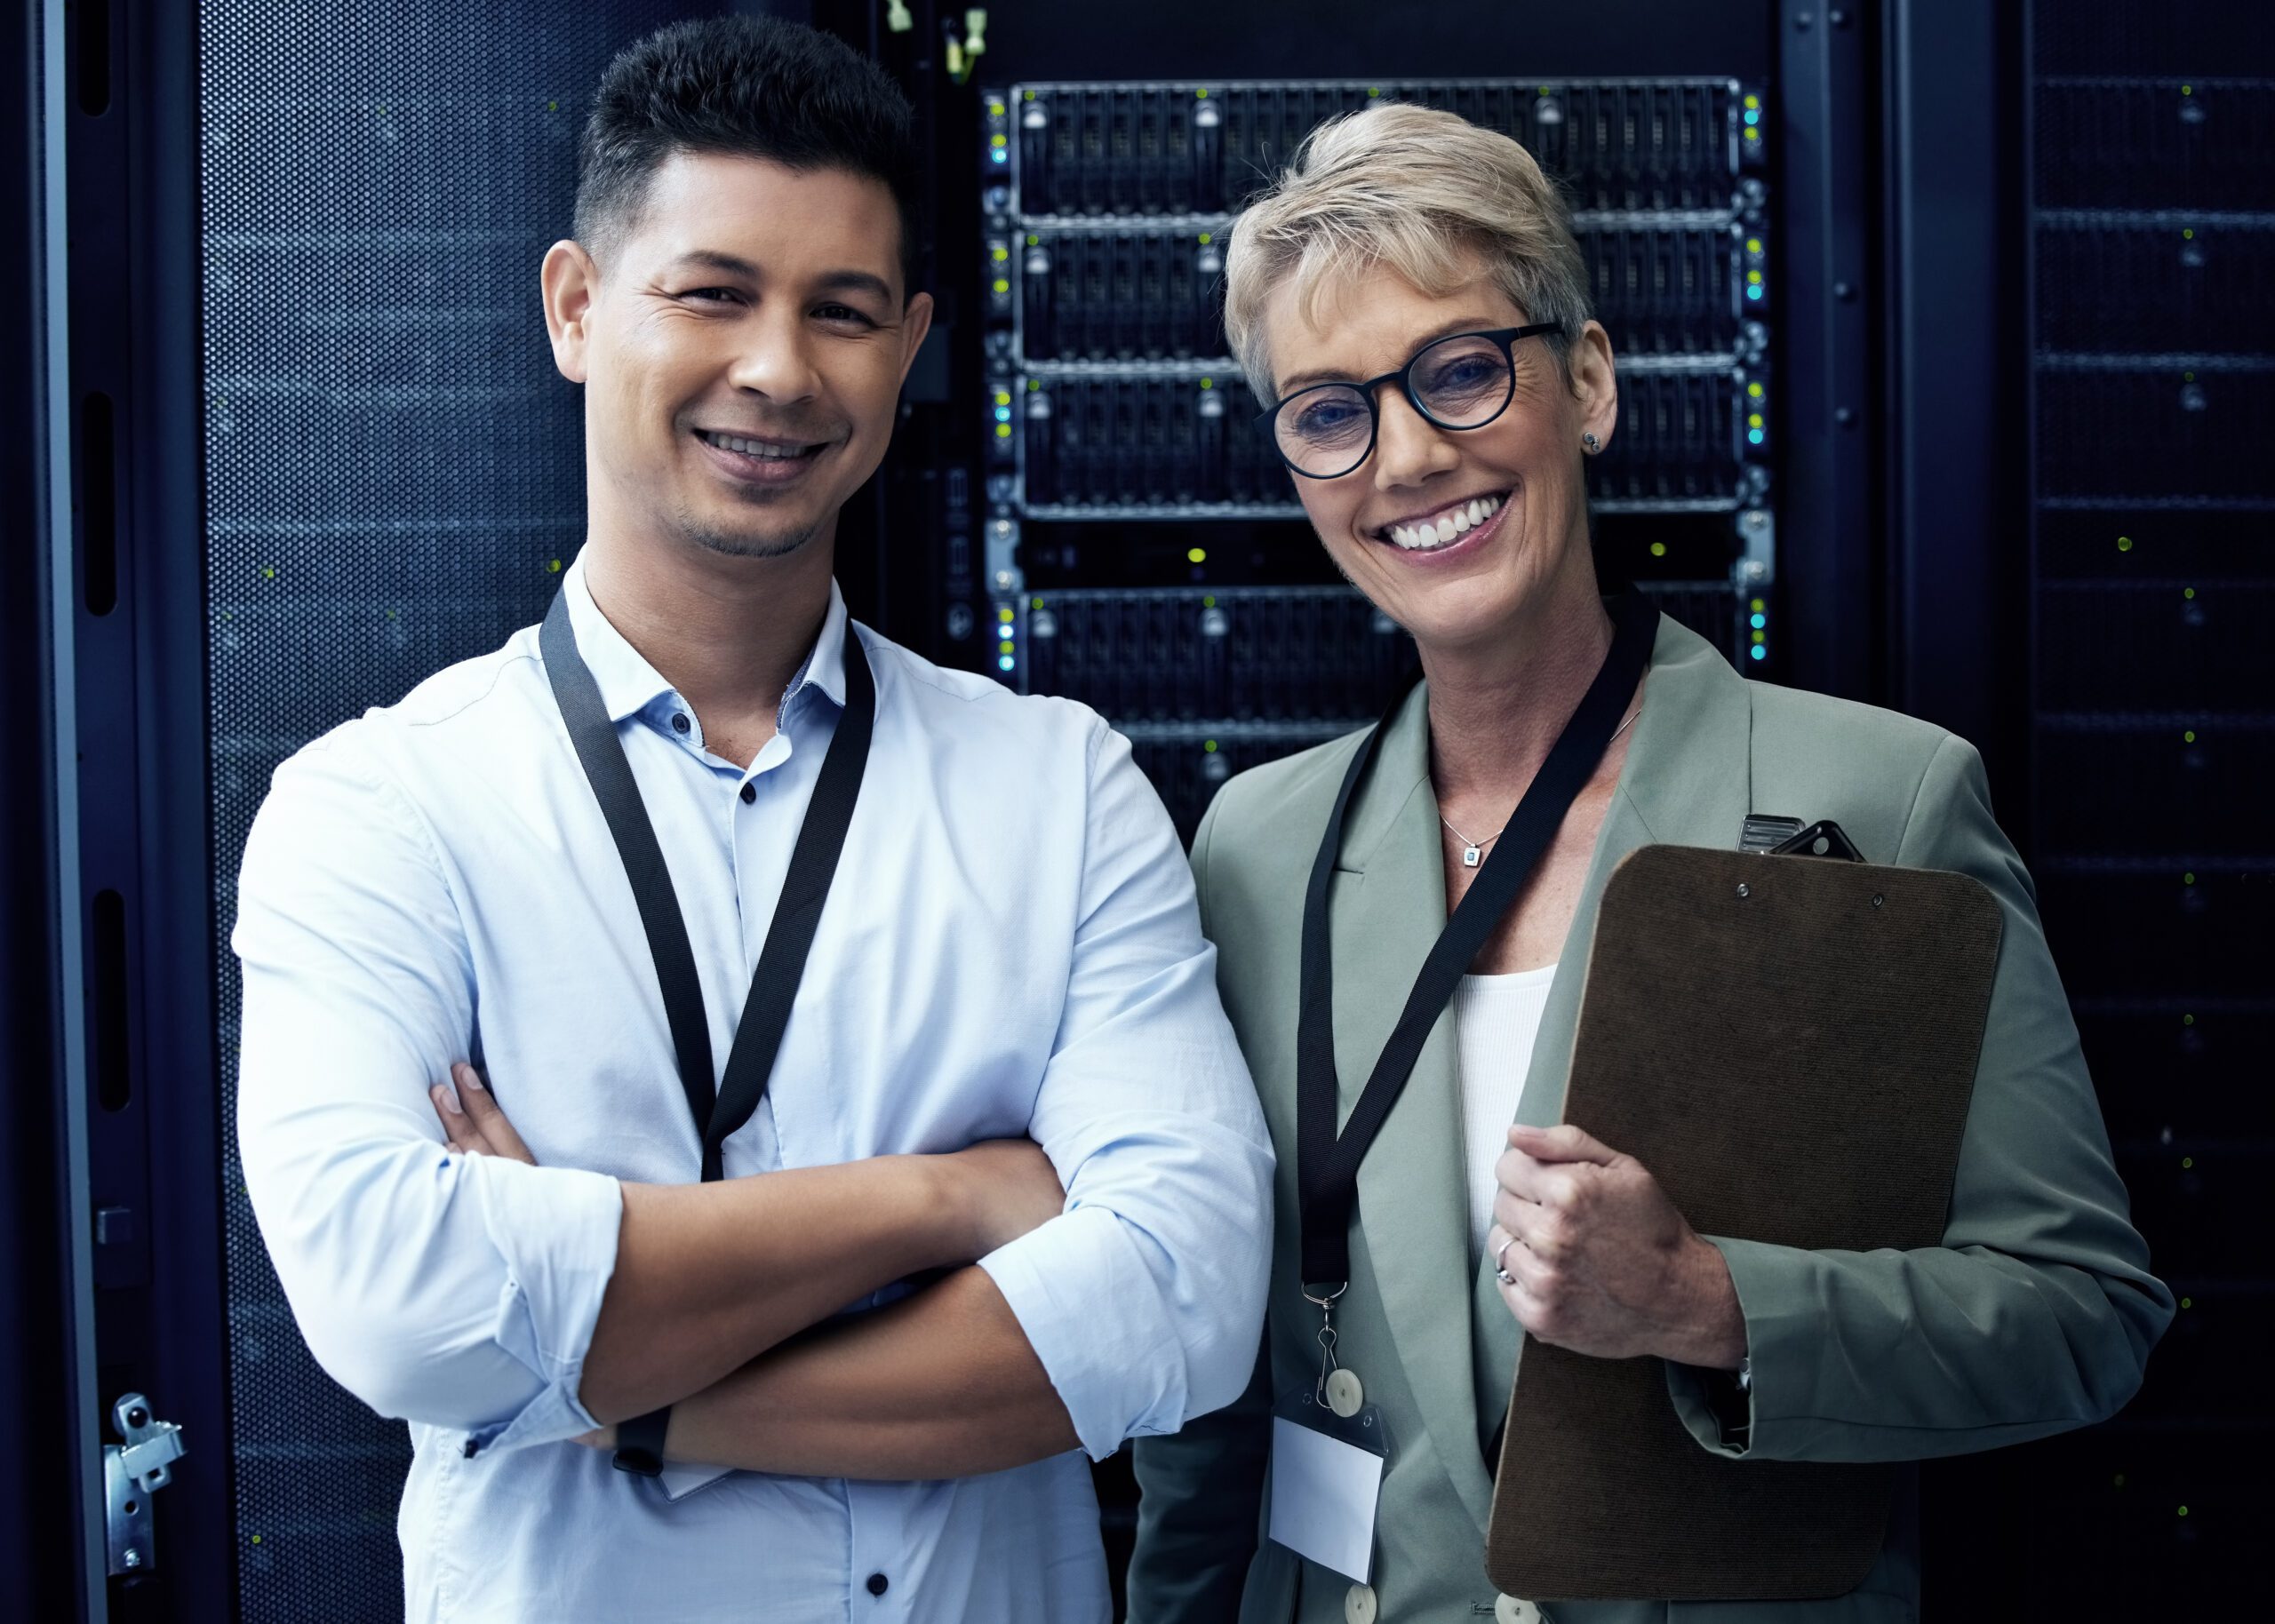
point(753, 447)
point(1441, 531)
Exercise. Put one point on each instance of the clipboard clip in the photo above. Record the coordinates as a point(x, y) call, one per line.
point(1785, 837)
point(1823, 839)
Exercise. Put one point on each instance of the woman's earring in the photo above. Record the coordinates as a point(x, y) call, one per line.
point(1592, 445)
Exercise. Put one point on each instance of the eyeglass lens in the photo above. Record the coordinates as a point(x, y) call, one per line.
point(1459, 382)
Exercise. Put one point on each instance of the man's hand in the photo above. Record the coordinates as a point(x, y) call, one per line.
point(1603, 1264)
point(1002, 1187)
point(471, 1119)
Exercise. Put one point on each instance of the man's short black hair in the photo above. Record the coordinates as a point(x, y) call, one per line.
point(752, 87)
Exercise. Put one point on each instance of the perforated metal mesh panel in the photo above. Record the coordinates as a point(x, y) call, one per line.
point(393, 479)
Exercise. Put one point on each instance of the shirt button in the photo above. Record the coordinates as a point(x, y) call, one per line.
point(750, 794)
point(1359, 1604)
point(679, 721)
point(879, 1584)
point(1509, 1610)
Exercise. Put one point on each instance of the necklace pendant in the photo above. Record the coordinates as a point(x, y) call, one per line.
point(1469, 857)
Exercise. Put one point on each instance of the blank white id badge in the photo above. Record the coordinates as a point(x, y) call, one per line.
point(1326, 1475)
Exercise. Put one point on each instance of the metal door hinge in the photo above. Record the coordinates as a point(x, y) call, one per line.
point(132, 1471)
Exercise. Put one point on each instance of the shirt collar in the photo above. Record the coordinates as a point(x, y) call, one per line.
point(629, 685)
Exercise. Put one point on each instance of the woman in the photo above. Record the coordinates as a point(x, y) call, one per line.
point(1411, 297)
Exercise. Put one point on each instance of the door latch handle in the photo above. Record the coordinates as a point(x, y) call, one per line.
point(132, 1471)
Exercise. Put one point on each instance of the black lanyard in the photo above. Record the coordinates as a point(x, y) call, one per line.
point(797, 912)
point(790, 936)
point(1327, 1166)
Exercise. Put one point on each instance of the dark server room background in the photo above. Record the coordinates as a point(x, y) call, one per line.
point(1947, 334)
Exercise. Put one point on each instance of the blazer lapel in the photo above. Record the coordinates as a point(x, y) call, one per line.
point(1686, 782)
point(1388, 909)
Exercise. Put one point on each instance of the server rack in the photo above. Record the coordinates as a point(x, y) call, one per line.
point(1111, 407)
point(2151, 741)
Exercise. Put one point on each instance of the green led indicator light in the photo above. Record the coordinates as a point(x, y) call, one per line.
point(2187, 1161)
point(1000, 254)
point(2188, 737)
point(1753, 101)
point(2186, 90)
point(2124, 544)
point(1753, 392)
point(1002, 431)
point(1206, 237)
point(2188, 879)
point(1207, 383)
point(1002, 286)
point(1030, 96)
point(1758, 605)
point(998, 140)
point(1196, 555)
point(2183, 1511)
point(2119, 1480)
point(1754, 419)
point(1659, 549)
point(2188, 1302)
point(1038, 603)
point(1210, 601)
point(1373, 90)
point(2188, 233)
point(2188, 1019)
point(2187, 593)
point(1209, 745)
point(1752, 134)
point(1202, 93)
point(1004, 647)
point(1753, 245)
point(1762, 637)
point(1032, 240)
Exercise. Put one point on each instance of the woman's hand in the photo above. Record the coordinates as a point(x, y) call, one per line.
point(471, 1119)
point(1602, 1264)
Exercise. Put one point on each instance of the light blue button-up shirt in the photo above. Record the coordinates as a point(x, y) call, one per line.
point(1011, 947)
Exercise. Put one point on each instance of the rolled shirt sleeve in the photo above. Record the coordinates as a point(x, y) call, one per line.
point(456, 1291)
point(2038, 1311)
point(1144, 1300)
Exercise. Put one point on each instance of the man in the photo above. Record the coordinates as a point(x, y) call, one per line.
point(1006, 947)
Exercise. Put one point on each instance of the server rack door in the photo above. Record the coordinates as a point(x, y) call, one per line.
point(393, 481)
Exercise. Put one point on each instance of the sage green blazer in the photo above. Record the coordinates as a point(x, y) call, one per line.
point(2035, 1315)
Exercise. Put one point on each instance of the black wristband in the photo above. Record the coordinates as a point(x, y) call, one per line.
point(640, 1443)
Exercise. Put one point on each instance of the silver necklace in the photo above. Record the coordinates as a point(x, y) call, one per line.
point(1472, 852)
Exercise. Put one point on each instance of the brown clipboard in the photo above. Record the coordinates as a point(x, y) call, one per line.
point(1789, 1045)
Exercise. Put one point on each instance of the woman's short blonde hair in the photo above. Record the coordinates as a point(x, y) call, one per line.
point(1423, 192)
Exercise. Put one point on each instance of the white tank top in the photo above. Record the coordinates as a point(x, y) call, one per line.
point(1496, 1020)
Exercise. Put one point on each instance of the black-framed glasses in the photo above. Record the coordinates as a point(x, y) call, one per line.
point(1462, 381)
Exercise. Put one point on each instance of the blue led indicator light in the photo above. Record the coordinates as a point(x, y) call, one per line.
point(1002, 414)
point(1754, 434)
point(1761, 653)
point(1003, 662)
point(1753, 118)
point(1761, 621)
point(1754, 291)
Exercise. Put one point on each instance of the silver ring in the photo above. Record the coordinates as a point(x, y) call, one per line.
point(1500, 1273)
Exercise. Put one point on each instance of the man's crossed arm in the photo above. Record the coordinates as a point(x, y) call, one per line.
point(940, 1384)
